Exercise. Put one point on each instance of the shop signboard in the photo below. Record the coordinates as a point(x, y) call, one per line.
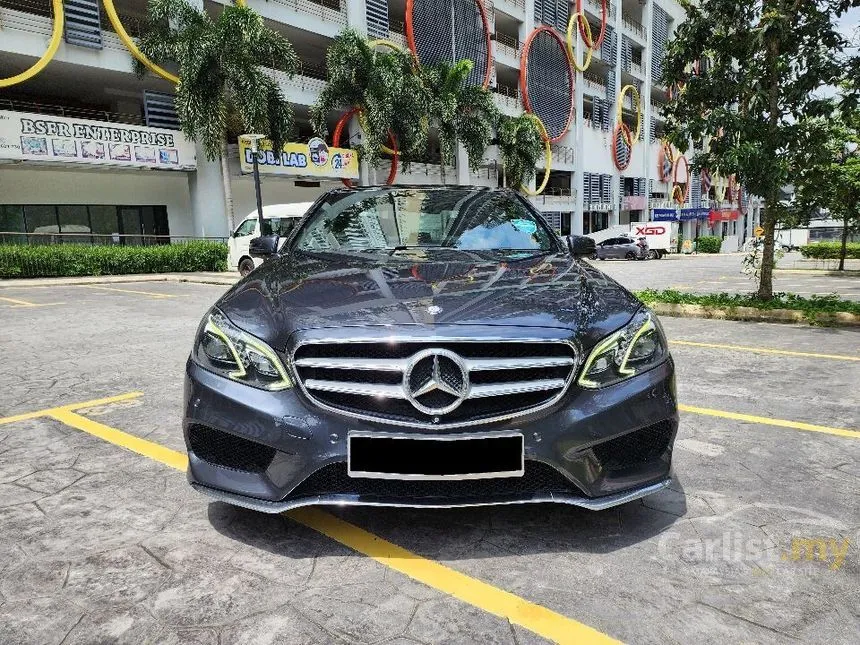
point(57, 140)
point(312, 159)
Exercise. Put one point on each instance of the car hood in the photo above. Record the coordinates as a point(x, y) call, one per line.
point(306, 290)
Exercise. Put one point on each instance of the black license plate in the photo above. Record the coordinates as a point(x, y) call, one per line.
point(435, 457)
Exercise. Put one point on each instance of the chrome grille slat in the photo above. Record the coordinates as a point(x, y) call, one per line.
point(521, 387)
point(398, 381)
point(361, 389)
point(479, 364)
point(385, 364)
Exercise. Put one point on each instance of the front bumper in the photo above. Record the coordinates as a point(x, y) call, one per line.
point(575, 450)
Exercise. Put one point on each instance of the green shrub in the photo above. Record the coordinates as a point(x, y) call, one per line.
point(708, 244)
point(55, 260)
point(830, 250)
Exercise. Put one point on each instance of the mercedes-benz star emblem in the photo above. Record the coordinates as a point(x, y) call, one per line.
point(436, 381)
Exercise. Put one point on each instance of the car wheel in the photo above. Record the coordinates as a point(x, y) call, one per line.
point(653, 255)
point(630, 255)
point(246, 265)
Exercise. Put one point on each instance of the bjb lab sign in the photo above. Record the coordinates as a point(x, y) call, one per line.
point(312, 159)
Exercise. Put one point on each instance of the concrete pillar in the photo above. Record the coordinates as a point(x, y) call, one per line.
point(462, 161)
point(206, 190)
point(649, 162)
point(356, 15)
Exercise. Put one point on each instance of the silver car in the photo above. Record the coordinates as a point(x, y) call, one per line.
point(621, 248)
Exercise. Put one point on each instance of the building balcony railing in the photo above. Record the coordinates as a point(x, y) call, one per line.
point(637, 70)
point(594, 82)
point(134, 24)
point(70, 112)
point(562, 154)
point(328, 10)
point(632, 26)
point(595, 7)
point(508, 45)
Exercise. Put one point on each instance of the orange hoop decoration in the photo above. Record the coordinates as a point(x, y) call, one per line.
point(410, 37)
point(335, 142)
point(524, 76)
point(680, 197)
point(594, 45)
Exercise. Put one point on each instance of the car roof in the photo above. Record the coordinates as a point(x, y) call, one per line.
point(281, 210)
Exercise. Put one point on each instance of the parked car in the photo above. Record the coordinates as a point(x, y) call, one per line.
point(621, 248)
point(281, 218)
point(422, 346)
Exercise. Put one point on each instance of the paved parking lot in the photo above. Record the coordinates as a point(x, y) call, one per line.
point(102, 540)
point(717, 273)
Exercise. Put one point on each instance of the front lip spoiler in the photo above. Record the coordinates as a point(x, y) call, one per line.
point(266, 506)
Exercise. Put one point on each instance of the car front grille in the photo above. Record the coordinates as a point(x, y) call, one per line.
point(539, 479)
point(229, 451)
point(477, 381)
point(635, 448)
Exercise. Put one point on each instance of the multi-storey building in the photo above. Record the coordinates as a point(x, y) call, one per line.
point(149, 180)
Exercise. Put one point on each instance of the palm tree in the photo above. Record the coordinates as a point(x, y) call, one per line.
point(462, 113)
point(520, 147)
point(383, 86)
point(223, 86)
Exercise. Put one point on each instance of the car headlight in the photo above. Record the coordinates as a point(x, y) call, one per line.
point(223, 348)
point(638, 346)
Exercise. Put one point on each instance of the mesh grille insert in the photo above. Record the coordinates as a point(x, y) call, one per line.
point(539, 478)
point(229, 451)
point(636, 447)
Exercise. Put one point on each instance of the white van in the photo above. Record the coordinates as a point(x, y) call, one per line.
point(281, 217)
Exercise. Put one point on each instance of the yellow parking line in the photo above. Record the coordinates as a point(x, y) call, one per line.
point(71, 406)
point(531, 616)
point(765, 350)
point(20, 303)
point(153, 294)
point(538, 619)
point(172, 458)
point(796, 425)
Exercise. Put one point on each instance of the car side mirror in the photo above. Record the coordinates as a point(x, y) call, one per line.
point(264, 247)
point(581, 246)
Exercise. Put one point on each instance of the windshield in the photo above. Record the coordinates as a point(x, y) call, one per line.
point(390, 219)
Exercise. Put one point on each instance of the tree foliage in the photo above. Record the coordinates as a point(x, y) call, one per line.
point(520, 147)
point(755, 90)
point(381, 84)
point(396, 96)
point(221, 65)
point(831, 181)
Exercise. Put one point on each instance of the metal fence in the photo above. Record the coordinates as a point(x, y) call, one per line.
point(99, 239)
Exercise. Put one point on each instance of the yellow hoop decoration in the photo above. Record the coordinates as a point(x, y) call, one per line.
point(677, 194)
point(718, 196)
point(547, 155)
point(572, 54)
point(110, 9)
point(53, 46)
point(637, 102)
point(382, 42)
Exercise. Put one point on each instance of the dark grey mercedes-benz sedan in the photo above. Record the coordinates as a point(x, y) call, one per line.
point(421, 346)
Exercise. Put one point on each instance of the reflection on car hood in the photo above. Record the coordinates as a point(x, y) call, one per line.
point(439, 287)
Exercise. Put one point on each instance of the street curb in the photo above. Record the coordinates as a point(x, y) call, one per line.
point(847, 273)
point(228, 279)
point(751, 314)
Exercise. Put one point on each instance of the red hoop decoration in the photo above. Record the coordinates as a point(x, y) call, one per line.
point(410, 37)
point(335, 142)
point(524, 76)
point(683, 199)
point(624, 131)
point(586, 37)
